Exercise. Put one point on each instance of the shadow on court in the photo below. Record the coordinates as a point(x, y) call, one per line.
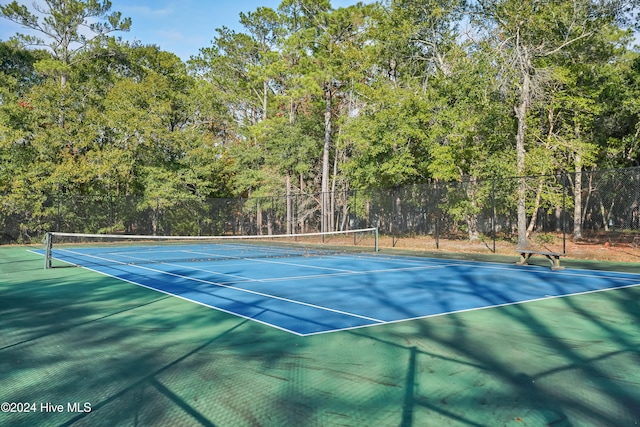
point(562, 362)
point(142, 358)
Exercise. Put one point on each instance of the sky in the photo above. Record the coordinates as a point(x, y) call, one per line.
point(179, 26)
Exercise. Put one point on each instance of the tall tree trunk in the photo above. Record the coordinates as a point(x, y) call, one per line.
point(258, 218)
point(541, 178)
point(521, 115)
point(265, 91)
point(301, 219)
point(155, 218)
point(290, 227)
point(578, 219)
point(471, 218)
point(521, 111)
point(577, 193)
point(325, 158)
point(536, 205)
point(62, 100)
point(332, 222)
point(558, 215)
point(607, 223)
point(289, 205)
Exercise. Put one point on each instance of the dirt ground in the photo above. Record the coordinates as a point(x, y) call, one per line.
point(614, 247)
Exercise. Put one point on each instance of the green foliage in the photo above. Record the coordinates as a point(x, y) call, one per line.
point(388, 140)
point(308, 98)
point(61, 24)
point(544, 238)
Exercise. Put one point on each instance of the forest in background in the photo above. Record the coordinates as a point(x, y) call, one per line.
point(308, 100)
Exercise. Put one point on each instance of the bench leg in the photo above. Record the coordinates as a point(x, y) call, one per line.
point(555, 262)
point(524, 259)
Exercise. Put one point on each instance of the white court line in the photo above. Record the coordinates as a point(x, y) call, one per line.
point(506, 304)
point(439, 262)
point(444, 264)
point(342, 271)
point(228, 257)
point(457, 263)
point(228, 286)
point(190, 268)
point(253, 319)
point(546, 271)
point(266, 261)
point(310, 276)
point(380, 322)
point(513, 267)
point(225, 247)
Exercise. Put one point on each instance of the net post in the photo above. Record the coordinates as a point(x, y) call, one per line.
point(376, 240)
point(48, 242)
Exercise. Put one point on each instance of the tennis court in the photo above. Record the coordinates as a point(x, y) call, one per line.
point(314, 292)
point(236, 334)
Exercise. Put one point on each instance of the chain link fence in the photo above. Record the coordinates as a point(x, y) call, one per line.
point(474, 213)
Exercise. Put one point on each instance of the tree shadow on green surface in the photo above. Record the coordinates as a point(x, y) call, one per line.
point(66, 319)
point(152, 380)
point(588, 355)
point(108, 359)
point(142, 358)
point(38, 307)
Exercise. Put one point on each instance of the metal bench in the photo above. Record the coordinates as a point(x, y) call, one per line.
point(553, 257)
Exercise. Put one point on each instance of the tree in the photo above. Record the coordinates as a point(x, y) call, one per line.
point(62, 25)
point(327, 44)
point(17, 124)
point(525, 33)
point(619, 123)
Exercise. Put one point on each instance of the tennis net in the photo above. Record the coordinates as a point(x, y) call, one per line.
point(91, 249)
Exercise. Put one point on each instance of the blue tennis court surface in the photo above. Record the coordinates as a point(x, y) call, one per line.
point(308, 295)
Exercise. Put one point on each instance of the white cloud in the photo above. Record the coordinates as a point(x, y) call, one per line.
point(146, 11)
point(177, 36)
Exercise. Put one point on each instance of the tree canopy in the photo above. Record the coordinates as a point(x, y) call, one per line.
point(312, 99)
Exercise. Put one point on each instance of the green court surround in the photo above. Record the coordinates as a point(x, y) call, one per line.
point(143, 358)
